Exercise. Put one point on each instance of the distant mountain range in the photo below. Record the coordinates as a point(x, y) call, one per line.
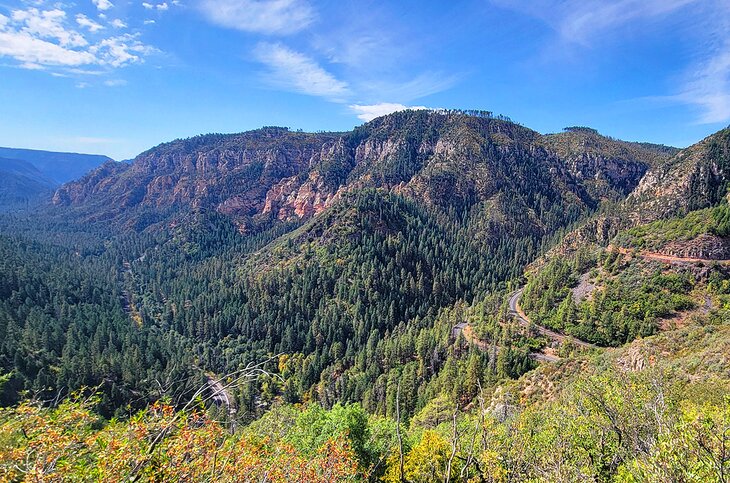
point(28, 174)
point(21, 182)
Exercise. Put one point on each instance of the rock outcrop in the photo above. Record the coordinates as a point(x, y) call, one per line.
point(705, 246)
point(446, 160)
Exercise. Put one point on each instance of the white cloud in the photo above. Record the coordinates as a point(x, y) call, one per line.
point(85, 21)
point(78, 71)
point(31, 66)
point(48, 25)
point(115, 83)
point(28, 49)
point(268, 17)
point(296, 72)
point(121, 50)
point(370, 112)
point(708, 88)
point(102, 4)
point(160, 6)
point(149, 22)
point(118, 24)
point(45, 39)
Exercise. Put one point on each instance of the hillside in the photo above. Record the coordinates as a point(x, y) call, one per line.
point(609, 167)
point(654, 410)
point(332, 246)
point(58, 167)
point(447, 160)
point(403, 298)
point(22, 183)
point(647, 277)
point(697, 177)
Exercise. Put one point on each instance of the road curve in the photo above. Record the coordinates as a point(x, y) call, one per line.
point(661, 257)
point(220, 395)
point(517, 312)
point(465, 329)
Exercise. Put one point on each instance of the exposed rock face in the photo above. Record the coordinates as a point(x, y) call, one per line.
point(598, 230)
point(635, 359)
point(447, 160)
point(695, 178)
point(289, 199)
point(97, 181)
point(705, 246)
point(232, 174)
point(605, 166)
point(604, 173)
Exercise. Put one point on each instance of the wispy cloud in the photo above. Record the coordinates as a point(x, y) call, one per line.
point(421, 85)
point(370, 112)
point(115, 83)
point(356, 54)
point(297, 72)
point(279, 17)
point(366, 40)
point(159, 6)
point(31, 66)
point(705, 84)
point(584, 21)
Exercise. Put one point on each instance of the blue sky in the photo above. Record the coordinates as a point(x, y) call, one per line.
point(119, 76)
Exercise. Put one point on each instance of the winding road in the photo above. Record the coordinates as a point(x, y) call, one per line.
point(661, 257)
point(220, 395)
point(517, 312)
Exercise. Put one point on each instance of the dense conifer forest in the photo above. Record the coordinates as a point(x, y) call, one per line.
point(434, 296)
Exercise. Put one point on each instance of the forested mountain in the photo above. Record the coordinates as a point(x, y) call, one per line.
point(58, 167)
point(21, 183)
point(446, 160)
point(393, 223)
point(655, 259)
point(694, 178)
point(373, 274)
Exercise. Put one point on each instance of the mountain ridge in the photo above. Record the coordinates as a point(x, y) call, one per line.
point(22, 183)
point(61, 167)
point(273, 174)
